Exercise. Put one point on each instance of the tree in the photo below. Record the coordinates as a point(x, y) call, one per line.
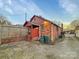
point(4, 21)
point(75, 23)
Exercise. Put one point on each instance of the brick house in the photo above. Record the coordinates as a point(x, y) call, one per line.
point(38, 27)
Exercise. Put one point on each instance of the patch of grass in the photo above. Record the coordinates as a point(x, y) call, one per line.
point(3, 56)
point(3, 47)
point(51, 57)
point(77, 38)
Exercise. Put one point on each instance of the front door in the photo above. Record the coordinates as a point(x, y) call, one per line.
point(35, 33)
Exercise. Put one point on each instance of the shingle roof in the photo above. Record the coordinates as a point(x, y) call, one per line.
point(41, 19)
point(45, 20)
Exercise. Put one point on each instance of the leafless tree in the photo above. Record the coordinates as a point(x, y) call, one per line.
point(4, 21)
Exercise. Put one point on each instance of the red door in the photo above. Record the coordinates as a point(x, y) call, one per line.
point(35, 33)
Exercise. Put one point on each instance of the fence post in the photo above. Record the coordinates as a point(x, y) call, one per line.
point(1, 34)
point(20, 35)
point(8, 31)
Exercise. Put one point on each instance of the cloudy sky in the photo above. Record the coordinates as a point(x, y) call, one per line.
point(54, 10)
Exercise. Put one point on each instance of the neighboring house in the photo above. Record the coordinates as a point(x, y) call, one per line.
point(40, 27)
point(77, 31)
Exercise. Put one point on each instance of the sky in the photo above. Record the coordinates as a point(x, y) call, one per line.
point(18, 11)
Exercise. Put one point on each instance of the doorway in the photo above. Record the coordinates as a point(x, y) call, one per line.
point(35, 32)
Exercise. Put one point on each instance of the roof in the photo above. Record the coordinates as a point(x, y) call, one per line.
point(25, 23)
point(28, 23)
point(42, 19)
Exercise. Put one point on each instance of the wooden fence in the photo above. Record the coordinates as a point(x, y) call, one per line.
point(12, 33)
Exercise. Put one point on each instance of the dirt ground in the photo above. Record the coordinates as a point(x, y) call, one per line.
point(67, 49)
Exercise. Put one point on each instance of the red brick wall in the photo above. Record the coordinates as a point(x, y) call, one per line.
point(55, 31)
